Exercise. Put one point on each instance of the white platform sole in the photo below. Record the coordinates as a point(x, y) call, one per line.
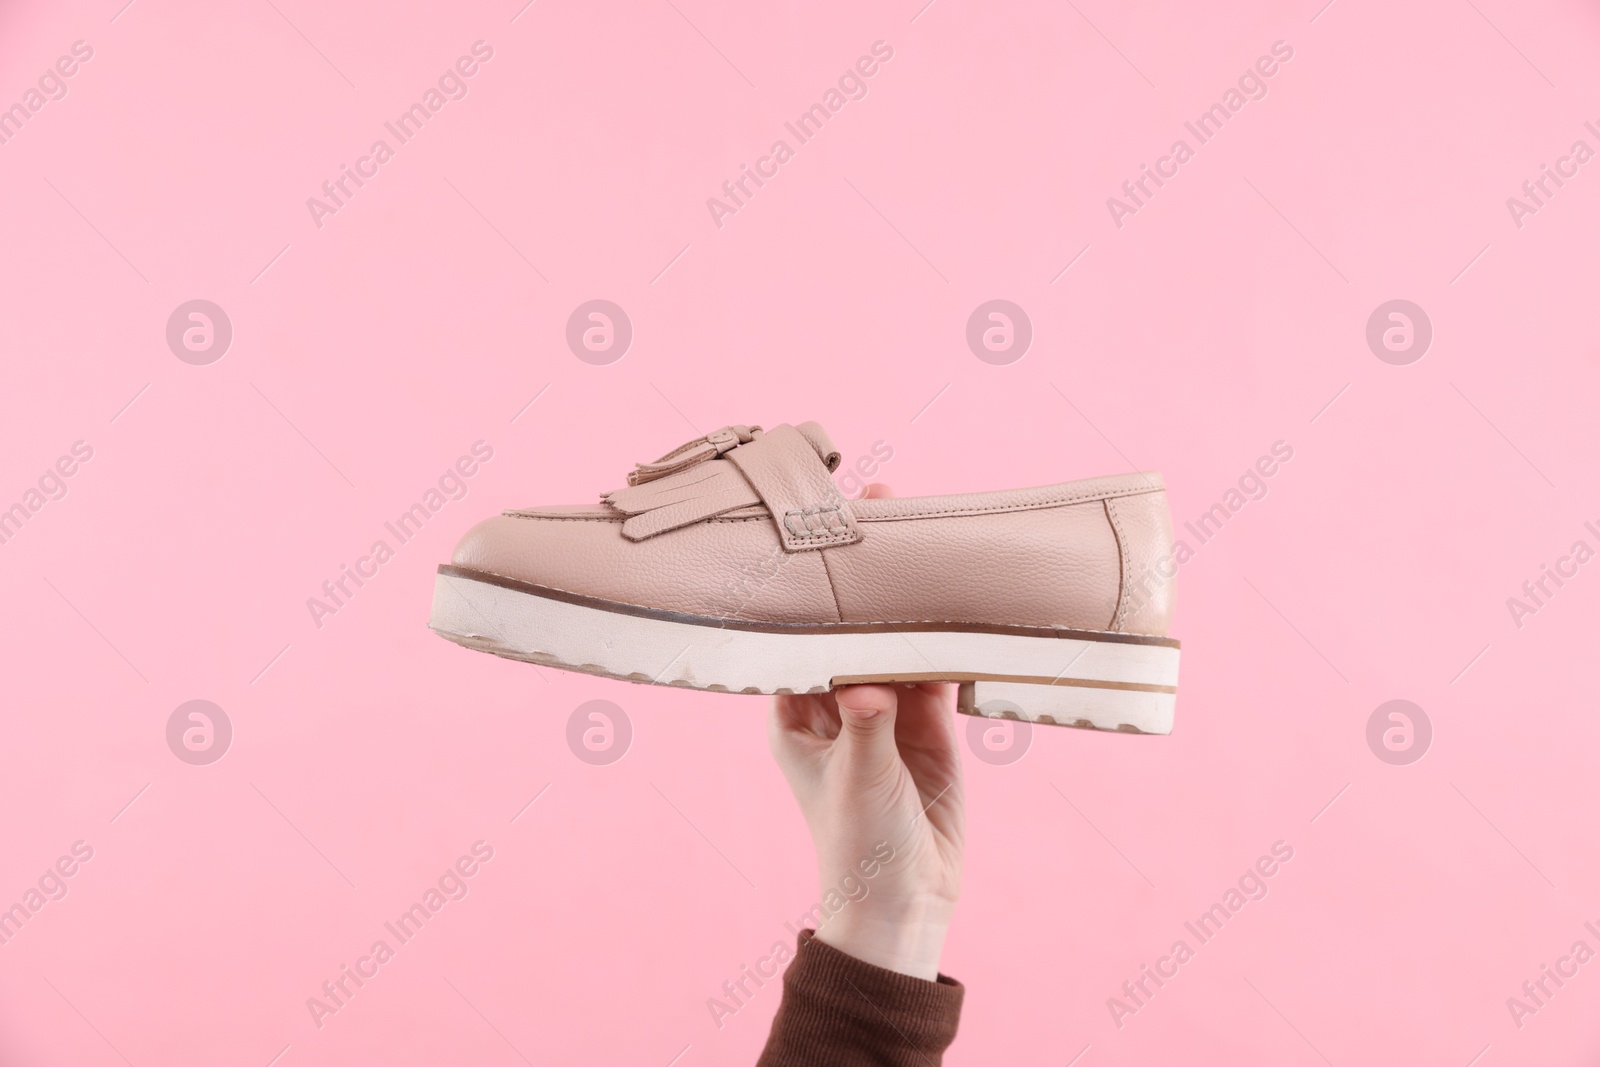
point(1105, 681)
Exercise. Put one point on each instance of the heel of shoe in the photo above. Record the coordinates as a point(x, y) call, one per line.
point(1126, 710)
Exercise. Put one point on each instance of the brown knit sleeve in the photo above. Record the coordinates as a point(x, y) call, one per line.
point(838, 1011)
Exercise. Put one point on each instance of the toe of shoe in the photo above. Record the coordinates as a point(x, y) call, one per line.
point(499, 545)
point(575, 549)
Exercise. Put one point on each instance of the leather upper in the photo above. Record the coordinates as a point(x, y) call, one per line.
point(786, 471)
point(746, 524)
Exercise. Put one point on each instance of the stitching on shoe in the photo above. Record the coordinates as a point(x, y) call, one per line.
point(833, 590)
point(859, 622)
point(617, 519)
point(1032, 506)
point(1124, 564)
point(798, 523)
point(1051, 502)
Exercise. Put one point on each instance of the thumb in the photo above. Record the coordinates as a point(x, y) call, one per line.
point(866, 728)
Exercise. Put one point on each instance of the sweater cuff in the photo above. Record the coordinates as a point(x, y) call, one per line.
point(840, 1010)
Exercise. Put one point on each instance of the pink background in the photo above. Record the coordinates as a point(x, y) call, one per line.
point(1224, 316)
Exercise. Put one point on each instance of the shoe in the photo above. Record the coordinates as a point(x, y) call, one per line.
point(733, 564)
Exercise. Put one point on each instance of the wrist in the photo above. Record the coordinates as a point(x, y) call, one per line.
point(907, 939)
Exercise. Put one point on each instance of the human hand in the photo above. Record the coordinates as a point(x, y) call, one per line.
point(876, 765)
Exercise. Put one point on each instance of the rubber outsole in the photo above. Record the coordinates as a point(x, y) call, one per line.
point(1083, 678)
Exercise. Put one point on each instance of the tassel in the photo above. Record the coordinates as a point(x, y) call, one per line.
point(695, 452)
point(667, 501)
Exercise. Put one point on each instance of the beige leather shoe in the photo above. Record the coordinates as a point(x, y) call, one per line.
point(733, 564)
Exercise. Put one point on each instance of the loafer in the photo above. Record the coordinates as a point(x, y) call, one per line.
point(733, 564)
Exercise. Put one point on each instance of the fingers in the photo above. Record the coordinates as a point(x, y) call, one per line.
point(866, 743)
point(778, 726)
point(788, 713)
point(877, 491)
point(800, 728)
point(928, 709)
point(866, 704)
